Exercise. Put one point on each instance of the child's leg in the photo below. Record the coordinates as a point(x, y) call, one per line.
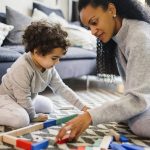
point(43, 104)
point(140, 125)
point(12, 114)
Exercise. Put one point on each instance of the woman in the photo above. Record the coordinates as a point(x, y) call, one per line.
point(123, 26)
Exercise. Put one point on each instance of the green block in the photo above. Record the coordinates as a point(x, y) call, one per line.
point(65, 119)
point(88, 148)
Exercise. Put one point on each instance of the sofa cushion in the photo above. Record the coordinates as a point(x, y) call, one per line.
point(75, 53)
point(20, 22)
point(4, 30)
point(47, 10)
point(16, 48)
point(7, 55)
point(2, 17)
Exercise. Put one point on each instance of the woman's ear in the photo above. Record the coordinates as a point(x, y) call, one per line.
point(112, 9)
point(35, 51)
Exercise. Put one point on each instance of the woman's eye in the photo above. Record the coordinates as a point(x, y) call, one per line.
point(54, 58)
point(94, 22)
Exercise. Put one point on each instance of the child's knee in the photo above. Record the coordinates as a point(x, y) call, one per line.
point(21, 121)
point(43, 105)
point(140, 127)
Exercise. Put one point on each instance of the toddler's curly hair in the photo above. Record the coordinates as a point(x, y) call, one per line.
point(44, 37)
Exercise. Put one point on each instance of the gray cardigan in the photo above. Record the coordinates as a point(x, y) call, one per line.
point(23, 81)
point(133, 60)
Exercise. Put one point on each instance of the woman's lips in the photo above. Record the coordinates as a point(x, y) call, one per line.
point(101, 36)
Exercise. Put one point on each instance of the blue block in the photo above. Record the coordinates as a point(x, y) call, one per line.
point(116, 146)
point(129, 146)
point(49, 123)
point(123, 138)
point(40, 145)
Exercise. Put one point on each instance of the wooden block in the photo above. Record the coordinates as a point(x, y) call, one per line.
point(49, 123)
point(40, 145)
point(132, 147)
point(87, 148)
point(106, 142)
point(22, 131)
point(81, 148)
point(65, 119)
point(24, 144)
point(118, 137)
point(116, 146)
point(64, 140)
point(9, 139)
point(115, 134)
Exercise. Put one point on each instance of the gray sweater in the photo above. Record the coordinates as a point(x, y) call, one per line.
point(133, 60)
point(23, 81)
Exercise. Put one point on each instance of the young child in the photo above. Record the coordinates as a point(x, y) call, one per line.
point(20, 103)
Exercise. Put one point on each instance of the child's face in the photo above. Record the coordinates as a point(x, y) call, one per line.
point(49, 60)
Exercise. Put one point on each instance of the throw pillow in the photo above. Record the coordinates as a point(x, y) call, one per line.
point(54, 18)
point(47, 10)
point(38, 15)
point(19, 21)
point(4, 30)
point(80, 38)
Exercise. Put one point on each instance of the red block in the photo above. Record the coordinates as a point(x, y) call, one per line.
point(81, 148)
point(26, 145)
point(63, 141)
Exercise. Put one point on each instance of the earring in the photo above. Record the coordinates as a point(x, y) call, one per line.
point(114, 16)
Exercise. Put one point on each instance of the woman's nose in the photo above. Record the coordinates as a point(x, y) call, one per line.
point(93, 30)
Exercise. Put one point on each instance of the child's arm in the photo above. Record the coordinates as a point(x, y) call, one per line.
point(59, 87)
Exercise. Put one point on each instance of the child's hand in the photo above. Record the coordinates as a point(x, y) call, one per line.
point(85, 108)
point(40, 117)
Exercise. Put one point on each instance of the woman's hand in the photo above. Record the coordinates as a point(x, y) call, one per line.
point(40, 117)
point(76, 126)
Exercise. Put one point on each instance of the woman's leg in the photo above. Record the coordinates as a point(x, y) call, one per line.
point(42, 104)
point(140, 125)
point(12, 114)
